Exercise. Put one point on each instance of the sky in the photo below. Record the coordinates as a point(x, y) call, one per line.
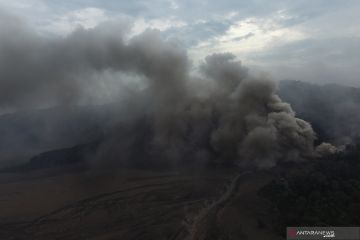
point(316, 41)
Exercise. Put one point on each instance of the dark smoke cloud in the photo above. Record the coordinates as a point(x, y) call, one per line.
point(237, 118)
point(39, 71)
point(332, 109)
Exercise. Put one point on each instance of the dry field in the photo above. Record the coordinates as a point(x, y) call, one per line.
point(129, 204)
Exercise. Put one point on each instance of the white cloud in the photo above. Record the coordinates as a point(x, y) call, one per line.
point(86, 18)
point(22, 4)
point(161, 24)
point(173, 4)
point(250, 36)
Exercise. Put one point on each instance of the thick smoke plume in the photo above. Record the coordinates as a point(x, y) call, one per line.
point(221, 114)
point(332, 109)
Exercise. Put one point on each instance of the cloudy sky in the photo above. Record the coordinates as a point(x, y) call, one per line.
point(316, 41)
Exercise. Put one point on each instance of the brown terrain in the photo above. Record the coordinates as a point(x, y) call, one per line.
point(134, 204)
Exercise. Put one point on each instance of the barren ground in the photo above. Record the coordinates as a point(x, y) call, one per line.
point(131, 204)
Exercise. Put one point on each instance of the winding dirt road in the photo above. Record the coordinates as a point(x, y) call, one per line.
point(204, 226)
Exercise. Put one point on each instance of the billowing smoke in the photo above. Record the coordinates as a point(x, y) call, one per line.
point(332, 109)
point(220, 114)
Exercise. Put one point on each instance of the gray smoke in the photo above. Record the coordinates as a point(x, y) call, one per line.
point(221, 114)
point(332, 109)
point(254, 124)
